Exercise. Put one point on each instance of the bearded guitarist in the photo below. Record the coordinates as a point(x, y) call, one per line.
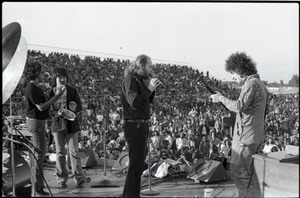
point(250, 110)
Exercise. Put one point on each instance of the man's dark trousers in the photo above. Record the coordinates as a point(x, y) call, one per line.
point(136, 136)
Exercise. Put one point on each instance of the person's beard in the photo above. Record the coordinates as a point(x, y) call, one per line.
point(148, 74)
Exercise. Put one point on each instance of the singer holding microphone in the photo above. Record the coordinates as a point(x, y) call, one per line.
point(136, 98)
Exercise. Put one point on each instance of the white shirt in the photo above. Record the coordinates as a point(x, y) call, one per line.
point(179, 143)
point(268, 148)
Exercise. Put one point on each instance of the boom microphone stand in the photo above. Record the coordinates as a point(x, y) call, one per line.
point(149, 191)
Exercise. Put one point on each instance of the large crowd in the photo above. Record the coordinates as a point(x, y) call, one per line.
point(185, 124)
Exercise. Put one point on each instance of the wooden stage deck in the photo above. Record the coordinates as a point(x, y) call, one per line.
point(167, 187)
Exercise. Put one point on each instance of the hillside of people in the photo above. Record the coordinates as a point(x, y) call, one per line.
point(184, 120)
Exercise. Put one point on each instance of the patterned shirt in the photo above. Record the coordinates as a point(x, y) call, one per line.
point(250, 108)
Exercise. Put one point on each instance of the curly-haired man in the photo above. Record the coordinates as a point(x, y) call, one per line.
point(250, 113)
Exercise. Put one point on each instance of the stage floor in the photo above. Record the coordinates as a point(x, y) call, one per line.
point(167, 187)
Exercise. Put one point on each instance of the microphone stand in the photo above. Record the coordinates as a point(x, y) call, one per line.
point(12, 152)
point(33, 173)
point(149, 191)
point(105, 182)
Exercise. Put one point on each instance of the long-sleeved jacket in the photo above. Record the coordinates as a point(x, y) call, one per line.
point(72, 95)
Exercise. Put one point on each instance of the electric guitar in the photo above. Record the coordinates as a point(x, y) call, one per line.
point(227, 120)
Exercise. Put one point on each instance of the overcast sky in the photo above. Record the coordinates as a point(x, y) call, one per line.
point(201, 35)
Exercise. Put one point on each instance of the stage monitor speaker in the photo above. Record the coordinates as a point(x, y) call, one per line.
point(209, 171)
point(22, 170)
point(88, 158)
point(122, 162)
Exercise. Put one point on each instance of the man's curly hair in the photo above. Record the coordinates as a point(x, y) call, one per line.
point(241, 64)
point(61, 71)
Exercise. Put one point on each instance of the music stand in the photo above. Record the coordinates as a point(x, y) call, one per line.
point(149, 191)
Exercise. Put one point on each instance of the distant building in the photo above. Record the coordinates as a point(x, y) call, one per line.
point(283, 90)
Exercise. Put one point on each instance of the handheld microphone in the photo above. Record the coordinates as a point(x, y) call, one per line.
point(161, 83)
point(153, 75)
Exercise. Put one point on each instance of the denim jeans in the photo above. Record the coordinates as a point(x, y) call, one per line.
point(38, 130)
point(136, 138)
point(71, 140)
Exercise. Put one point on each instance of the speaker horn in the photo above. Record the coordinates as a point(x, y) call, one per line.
point(14, 54)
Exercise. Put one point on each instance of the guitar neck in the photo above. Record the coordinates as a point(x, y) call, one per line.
point(210, 89)
point(213, 92)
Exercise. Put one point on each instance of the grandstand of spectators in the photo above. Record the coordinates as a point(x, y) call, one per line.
point(182, 109)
